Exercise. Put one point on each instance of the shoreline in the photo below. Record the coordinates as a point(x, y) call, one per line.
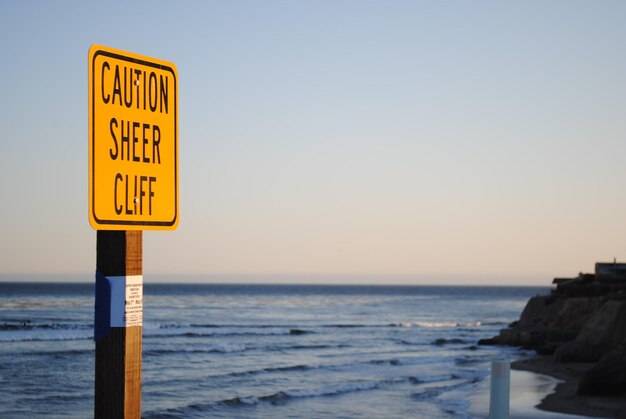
point(564, 398)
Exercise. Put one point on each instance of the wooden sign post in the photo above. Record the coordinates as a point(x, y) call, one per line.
point(118, 355)
point(133, 186)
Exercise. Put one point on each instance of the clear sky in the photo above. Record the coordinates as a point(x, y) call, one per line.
point(382, 141)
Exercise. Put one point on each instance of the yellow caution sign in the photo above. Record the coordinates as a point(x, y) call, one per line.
point(133, 141)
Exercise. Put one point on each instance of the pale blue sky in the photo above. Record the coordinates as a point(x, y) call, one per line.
point(466, 142)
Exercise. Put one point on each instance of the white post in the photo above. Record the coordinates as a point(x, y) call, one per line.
point(500, 389)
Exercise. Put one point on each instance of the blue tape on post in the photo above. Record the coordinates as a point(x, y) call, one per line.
point(102, 322)
point(119, 303)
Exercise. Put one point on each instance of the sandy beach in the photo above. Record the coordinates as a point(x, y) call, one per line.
point(564, 398)
point(542, 389)
point(528, 389)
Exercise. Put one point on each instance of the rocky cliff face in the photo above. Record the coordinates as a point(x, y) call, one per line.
point(582, 320)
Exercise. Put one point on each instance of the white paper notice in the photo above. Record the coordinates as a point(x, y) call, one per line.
point(126, 300)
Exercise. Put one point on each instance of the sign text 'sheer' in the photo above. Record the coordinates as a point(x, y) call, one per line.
point(133, 156)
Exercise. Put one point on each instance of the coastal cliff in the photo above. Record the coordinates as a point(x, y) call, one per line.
point(582, 322)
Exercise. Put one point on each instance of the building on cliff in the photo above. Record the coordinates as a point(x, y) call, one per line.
point(605, 272)
point(610, 272)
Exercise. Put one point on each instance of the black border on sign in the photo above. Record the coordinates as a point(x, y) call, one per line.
point(93, 141)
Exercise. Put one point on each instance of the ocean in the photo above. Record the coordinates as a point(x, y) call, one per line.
point(262, 351)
